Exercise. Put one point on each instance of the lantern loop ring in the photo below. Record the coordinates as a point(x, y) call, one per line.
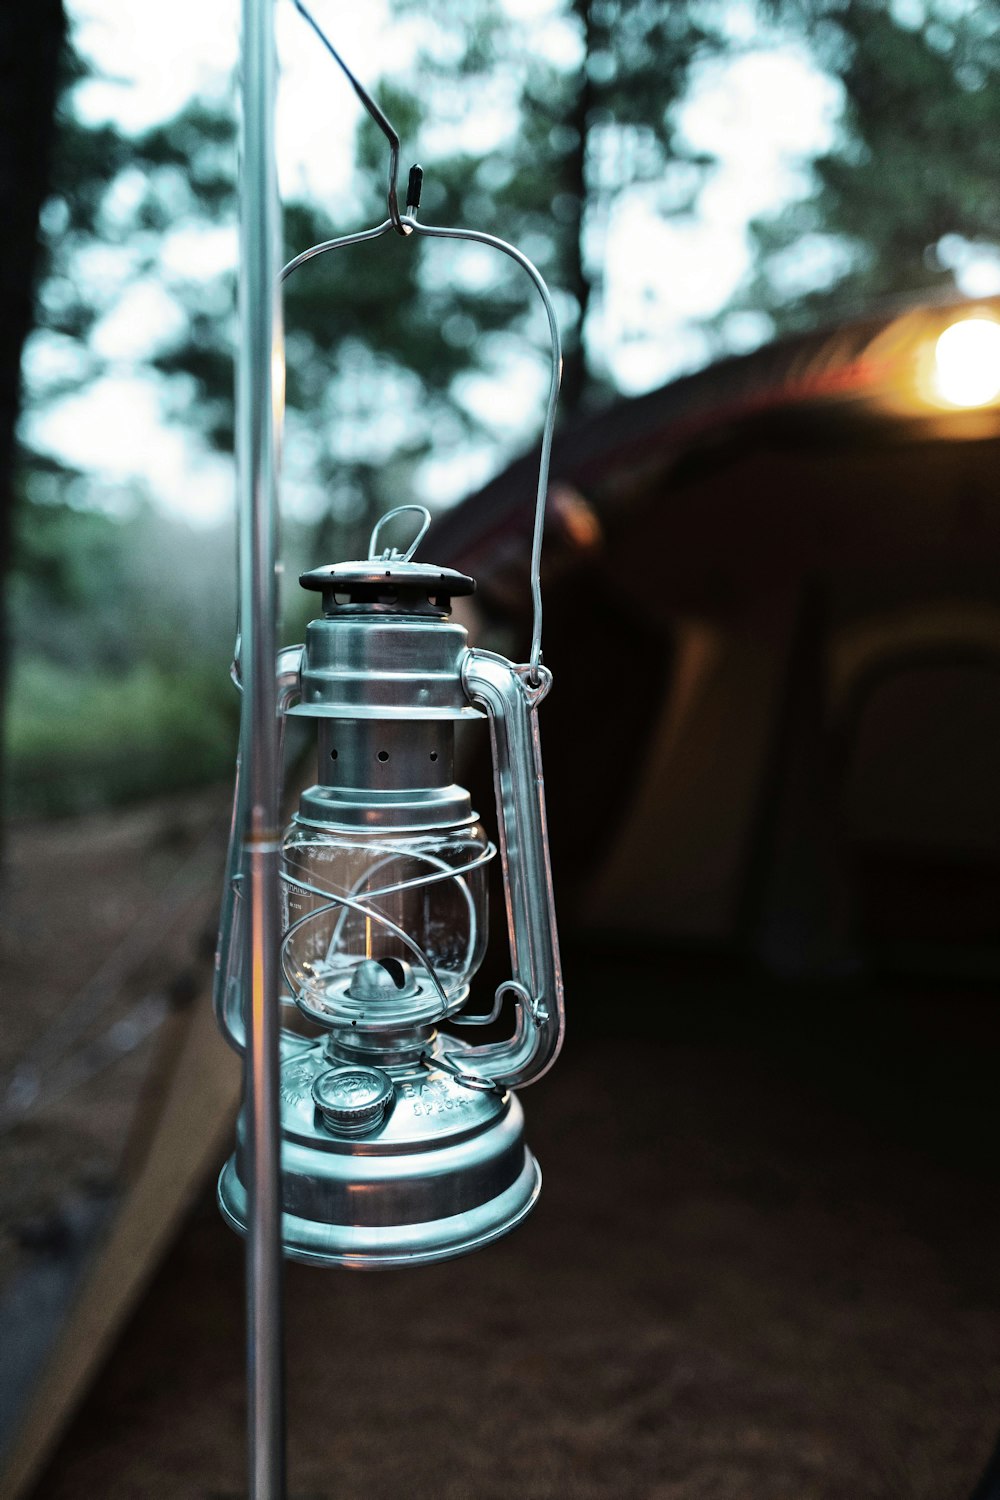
point(392, 554)
point(536, 683)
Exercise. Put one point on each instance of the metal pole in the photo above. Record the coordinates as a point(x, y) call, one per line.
point(260, 390)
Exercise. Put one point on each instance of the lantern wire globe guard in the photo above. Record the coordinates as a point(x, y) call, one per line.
point(350, 1105)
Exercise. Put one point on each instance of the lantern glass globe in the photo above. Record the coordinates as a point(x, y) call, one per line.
point(353, 896)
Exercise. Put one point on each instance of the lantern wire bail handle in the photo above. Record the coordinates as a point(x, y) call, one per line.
point(408, 225)
point(393, 554)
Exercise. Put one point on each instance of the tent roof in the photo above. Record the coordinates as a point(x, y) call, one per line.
point(856, 386)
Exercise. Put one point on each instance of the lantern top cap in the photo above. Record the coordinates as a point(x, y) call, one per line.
point(387, 576)
point(373, 577)
point(393, 573)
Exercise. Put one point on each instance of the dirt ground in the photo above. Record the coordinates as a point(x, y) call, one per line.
point(106, 932)
point(763, 1267)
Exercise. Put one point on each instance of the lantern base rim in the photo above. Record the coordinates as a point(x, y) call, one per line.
point(370, 1248)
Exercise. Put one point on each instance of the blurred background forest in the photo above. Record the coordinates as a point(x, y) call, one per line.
point(593, 134)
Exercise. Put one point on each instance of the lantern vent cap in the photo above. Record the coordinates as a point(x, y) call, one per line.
point(368, 580)
point(388, 578)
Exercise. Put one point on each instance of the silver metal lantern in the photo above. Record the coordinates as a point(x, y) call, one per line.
point(397, 1144)
point(401, 1145)
point(367, 1137)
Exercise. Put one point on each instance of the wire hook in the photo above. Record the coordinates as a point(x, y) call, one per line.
point(374, 112)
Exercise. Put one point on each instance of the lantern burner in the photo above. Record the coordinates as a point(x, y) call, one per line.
point(382, 978)
point(355, 1002)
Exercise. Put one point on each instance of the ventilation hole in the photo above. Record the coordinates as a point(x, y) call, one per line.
point(434, 755)
point(383, 755)
point(395, 971)
point(333, 755)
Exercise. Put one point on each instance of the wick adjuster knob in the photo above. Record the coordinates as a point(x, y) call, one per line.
point(352, 1100)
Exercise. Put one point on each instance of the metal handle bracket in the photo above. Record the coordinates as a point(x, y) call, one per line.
point(507, 695)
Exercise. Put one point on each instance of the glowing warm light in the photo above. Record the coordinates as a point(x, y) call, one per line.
point(967, 362)
point(278, 380)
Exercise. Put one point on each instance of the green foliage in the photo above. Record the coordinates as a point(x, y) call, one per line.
point(123, 629)
point(410, 331)
point(96, 591)
point(122, 623)
point(79, 741)
point(915, 164)
point(582, 133)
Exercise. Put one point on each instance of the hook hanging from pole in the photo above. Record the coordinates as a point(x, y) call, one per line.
point(380, 119)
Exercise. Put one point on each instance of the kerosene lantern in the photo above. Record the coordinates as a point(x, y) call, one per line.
point(400, 1144)
point(367, 1136)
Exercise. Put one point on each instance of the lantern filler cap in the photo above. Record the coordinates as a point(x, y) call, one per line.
point(353, 1100)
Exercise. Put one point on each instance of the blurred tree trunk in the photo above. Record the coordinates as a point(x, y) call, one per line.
point(576, 376)
point(31, 38)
